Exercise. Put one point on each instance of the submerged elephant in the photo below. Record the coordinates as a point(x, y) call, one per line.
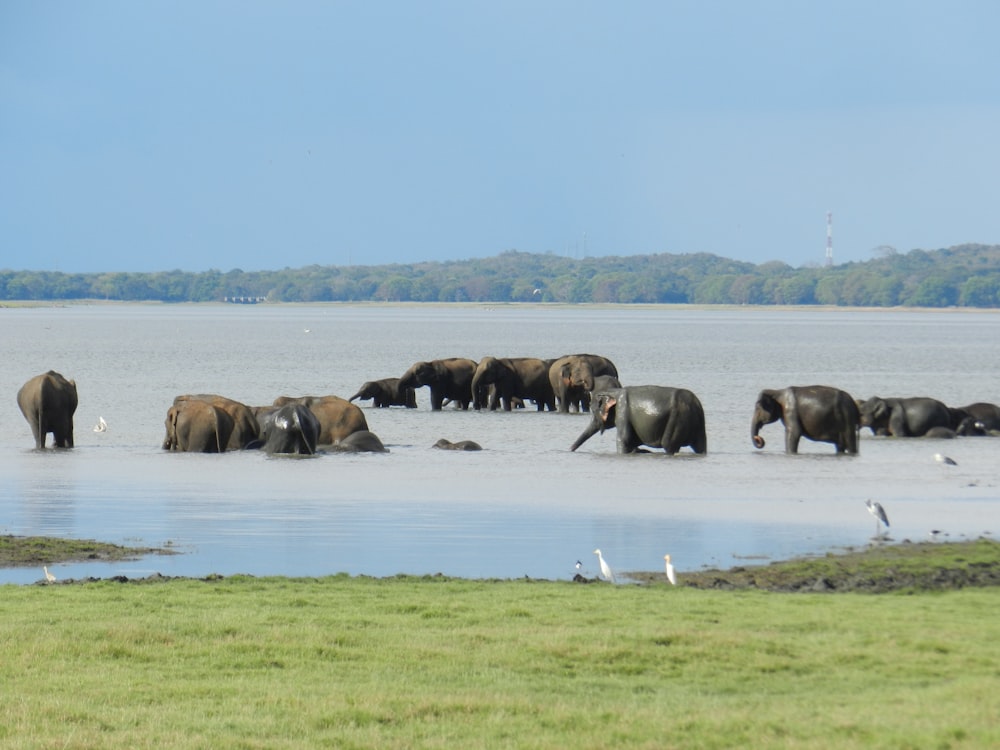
point(291, 429)
point(652, 415)
point(197, 426)
point(572, 378)
point(514, 379)
point(337, 416)
point(461, 445)
point(817, 412)
point(246, 428)
point(449, 379)
point(48, 402)
point(386, 392)
point(906, 417)
point(362, 441)
point(985, 418)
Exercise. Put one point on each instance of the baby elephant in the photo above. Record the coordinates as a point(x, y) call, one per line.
point(817, 412)
point(461, 445)
point(386, 392)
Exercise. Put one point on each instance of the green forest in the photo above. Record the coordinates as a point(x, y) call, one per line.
point(964, 276)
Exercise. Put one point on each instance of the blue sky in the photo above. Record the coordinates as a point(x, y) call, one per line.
point(145, 136)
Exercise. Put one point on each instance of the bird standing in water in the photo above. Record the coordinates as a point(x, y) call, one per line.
point(671, 575)
point(605, 568)
point(878, 511)
point(49, 578)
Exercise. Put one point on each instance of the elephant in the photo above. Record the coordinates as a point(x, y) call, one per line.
point(572, 378)
point(448, 379)
point(461, 445)
point(906, 417)
point(246, 428)
point(197, 426)
point(290, 429)
point(48, 402)
point(982, 413)
point(818, 412)
point(337, 416)
point(386, 392)
point(514, 379)
point(362, 441)
point(651, 415)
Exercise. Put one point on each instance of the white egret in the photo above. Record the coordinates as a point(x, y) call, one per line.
point(101, 425)
point(49, 578)
point(579, 565)
point(943, 459)
point(605, 568)
point(878, 511)
point(671, 575)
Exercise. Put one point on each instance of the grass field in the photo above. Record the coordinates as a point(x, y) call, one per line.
point(429, 662)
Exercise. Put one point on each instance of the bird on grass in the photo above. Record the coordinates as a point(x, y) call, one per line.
point(878, 511)
point(671, 575)
point(605, 568)
point(943, 459)
point(49, 578)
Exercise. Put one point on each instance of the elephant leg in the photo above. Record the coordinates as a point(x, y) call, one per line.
point(793, 433)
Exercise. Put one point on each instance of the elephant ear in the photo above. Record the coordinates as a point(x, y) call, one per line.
point(607, 410)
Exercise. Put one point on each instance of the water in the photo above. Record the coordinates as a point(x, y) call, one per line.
point(525, 505)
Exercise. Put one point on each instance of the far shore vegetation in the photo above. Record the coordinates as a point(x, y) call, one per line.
point(960, 276)
point(434, 662)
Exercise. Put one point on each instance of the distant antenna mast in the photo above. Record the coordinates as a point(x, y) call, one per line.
point(829, 238)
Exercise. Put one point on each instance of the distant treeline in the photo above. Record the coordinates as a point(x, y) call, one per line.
point(966, 275)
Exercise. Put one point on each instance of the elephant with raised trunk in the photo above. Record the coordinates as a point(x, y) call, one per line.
point(572, 378)
point(386, 392)
point(513, 378)
point(817, 412)
point(652, 415)
point(197, 426)
point(48, 402)
point(337, 416)
point(907, 417)
point(449, 379)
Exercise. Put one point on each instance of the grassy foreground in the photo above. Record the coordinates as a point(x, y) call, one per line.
point(428, 662)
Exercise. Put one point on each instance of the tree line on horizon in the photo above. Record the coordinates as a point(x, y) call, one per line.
point(963, 276)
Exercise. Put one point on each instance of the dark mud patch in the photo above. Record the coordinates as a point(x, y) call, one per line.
point(29, 551)
point(878, 569)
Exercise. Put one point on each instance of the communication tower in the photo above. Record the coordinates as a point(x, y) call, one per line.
point(829, 238)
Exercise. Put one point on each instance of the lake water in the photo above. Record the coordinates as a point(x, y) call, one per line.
point(523, 506)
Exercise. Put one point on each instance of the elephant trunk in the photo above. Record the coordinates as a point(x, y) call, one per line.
point(755, 425)
point(356, 395)
point(595, 424)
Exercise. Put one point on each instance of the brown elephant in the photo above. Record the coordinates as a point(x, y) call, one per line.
point(449, 379)
point(513, 378)
point(337, 416)
point(386, 392)
point(197, 426)
point(48, 401)
point(572, 378)
point(245, 426)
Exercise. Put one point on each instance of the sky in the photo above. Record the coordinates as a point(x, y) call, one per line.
point(155, 135)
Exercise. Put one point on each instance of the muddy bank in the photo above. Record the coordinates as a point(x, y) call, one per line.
point(28, 551)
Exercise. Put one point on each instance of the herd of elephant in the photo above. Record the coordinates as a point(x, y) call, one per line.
point(643, 416)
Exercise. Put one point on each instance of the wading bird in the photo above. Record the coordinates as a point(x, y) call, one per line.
point(605, 568)
point(943, 459)
point(878, 511)
point(101, 425)
point(671, 575)
point(48, 576)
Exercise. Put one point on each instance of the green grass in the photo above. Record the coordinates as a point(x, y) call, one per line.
point(407, 662)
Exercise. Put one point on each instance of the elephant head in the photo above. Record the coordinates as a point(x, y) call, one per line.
point(768, 409)
point(604, 408)
point(874, 414)
point(489, 371)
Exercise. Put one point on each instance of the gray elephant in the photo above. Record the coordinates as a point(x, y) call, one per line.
point(337, 416)
point(652, 415)
point(817, 412)
point(291, 429)
point(246, 428)
point(461, 445)
point(197, 426)
point(385, 393)
point(906, 417)
point(48, 402)
point(572, 378)
point(513, 379)
point(984, 416)
point(449, 379)
point(363, 441)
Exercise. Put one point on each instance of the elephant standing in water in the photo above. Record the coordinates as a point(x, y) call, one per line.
point(448, 379)
point(362, 441)
point(48, 401)
point(572, 378)
point(197, 426)
point(816, 412)
point(245, 426)
point(291, 429)
point(514, 378)
point(652, 415)
point(386, 392)
point(907, 417)
point(337, 416)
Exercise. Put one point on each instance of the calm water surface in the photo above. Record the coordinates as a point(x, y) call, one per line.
point(525, 505)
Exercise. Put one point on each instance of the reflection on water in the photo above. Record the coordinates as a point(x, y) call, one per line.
point(525, 505)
